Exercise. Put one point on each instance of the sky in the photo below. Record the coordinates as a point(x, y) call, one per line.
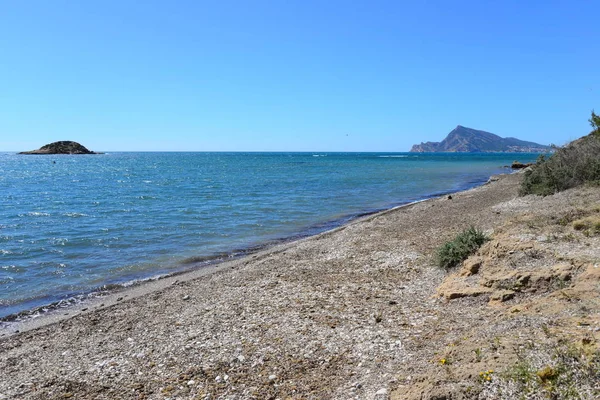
point(294, 75)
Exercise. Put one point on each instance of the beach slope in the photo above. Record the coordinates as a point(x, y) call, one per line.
point(358, 312)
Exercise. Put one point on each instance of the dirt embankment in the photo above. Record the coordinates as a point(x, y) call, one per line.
point(540, 274)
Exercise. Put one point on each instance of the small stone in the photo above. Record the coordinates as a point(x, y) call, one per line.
point(218, 379)
point(502, 295)
point(186, 297)
point(471, 266)
point(241, 358)
point(381, 392)
point(191, 382)
point(272, 378)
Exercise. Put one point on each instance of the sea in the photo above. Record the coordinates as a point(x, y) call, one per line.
point(75, 226)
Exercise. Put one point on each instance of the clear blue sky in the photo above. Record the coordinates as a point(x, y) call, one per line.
point(294, 75)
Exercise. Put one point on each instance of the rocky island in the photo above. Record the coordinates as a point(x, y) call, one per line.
point(62, 147)
point(468, 140)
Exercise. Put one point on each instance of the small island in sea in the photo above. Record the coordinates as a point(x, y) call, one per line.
point(62, 147)
point(468, 140)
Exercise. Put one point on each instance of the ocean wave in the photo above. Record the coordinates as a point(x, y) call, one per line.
point(75, 215)
point(34, 214)
point(135, 282)
point(59, 241)
point(392, 156)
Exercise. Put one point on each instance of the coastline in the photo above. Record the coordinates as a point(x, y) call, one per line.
point(41, 316)
point(95, 247)
point(353, 312)
point(107, 295)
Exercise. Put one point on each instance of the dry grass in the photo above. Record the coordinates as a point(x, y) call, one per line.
point(589, 225)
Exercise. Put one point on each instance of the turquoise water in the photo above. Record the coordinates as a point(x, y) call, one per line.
point(70, 225)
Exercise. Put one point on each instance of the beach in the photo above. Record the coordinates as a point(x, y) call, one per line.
point(133, 216)
point(358, 312)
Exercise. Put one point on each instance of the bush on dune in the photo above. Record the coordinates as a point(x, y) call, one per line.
point(452, 253)
point(570, 166)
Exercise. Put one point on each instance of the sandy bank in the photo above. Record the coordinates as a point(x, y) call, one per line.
point(351, 313)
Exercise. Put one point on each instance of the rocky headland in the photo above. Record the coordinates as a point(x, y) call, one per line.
point(463, 139)
point(62, 147)
point(360, 312)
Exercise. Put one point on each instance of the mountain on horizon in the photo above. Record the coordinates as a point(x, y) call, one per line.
point(468, 140)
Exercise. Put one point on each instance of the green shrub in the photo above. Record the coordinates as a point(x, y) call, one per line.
point(595, 122)
point(569, 166)
point(456, 251)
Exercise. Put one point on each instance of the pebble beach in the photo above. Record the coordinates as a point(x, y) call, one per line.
point(352, 313)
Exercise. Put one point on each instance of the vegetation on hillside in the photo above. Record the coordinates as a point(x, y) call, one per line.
point(62, 147)
point(570, 372)
point(569, 166)
point(595, 122)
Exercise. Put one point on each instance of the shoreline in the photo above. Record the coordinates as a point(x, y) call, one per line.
point(358, 312)
point(39, 315)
